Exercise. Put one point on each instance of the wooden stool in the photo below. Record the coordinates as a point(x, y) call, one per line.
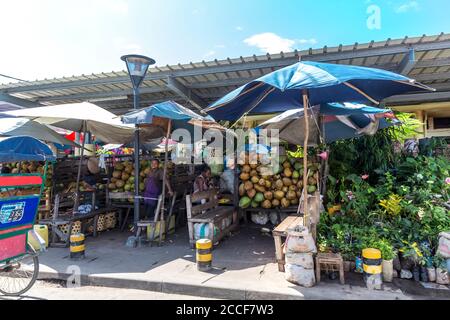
point(330, 262)
point(142, 227)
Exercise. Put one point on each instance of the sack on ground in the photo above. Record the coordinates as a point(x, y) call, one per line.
point(300, 276)
point(300, 241)
point(304, 260)
point(260, 218)
point(202, 231)
point(442, 276)
point(444, 245)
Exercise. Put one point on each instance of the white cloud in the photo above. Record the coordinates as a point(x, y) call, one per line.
point(408, 6)
point(272, 43)
point(239, 28)
point(311, 41)
point(209, 54)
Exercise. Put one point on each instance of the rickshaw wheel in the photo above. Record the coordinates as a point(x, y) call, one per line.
point(18, 276)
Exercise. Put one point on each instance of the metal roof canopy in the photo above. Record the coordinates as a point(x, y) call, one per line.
point(195, 85)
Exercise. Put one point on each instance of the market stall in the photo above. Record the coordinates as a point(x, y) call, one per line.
point(307, 84)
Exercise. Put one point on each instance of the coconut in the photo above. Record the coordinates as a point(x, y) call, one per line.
point(117, 174)
point(119, 166)
point(259, 188)
point(141, 186)
point(251, 193)
point(287, 172)
point(279, 195)
point(287, 182)
point(246, 168)
point(268, 195)
point(253, 173)
point(286, 164)
point(255, 204)
point(248, 185)
point(267, 204)
point(291, 195)
point(312, 181)
point(255, 179)
point(120, 184)
point(268, 184)
point(241, 189)
point(127, 187)
point(244, 176)
point(294, 201)
point(285, 189)
point(262, 182)
point(279, 184)
point(285, 203)
point(125, 176)
point(253, 166)
point(275, 203)
point(112, 186)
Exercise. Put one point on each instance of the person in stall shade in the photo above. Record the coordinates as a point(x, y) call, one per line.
point(153, 189)
point(203, 182)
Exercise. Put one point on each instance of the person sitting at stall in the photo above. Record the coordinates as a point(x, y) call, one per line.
point(203, 182)
point(90, 178)
point(153, 189)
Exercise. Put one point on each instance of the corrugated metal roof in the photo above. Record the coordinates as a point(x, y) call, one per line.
point(196, 84)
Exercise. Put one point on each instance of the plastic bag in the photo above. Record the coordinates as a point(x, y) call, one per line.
point(260, 218)
point(304, 260)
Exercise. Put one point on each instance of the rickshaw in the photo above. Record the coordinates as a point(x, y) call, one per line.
point(20, 195)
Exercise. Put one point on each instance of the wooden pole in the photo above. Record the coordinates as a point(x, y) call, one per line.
point(305, 160)
point(77, 199)
point(166, 159)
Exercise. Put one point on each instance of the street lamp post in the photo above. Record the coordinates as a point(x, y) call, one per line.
point(137, 67)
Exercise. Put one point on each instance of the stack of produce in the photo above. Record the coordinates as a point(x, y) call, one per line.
point(264, 186)
point(123, 176)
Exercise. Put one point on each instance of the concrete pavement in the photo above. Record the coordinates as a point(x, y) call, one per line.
point(244, 269)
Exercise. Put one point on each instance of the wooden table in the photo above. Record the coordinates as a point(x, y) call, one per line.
point(281, 232)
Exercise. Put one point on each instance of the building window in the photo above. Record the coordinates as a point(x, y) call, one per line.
point(441, 123)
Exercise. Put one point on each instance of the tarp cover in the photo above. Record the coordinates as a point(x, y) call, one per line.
point(24, 148)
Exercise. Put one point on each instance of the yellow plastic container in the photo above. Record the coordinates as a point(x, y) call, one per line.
point(42, 231)
point(155, 233)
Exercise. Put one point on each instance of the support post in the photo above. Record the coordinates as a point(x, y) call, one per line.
point(166, 159)
point(77, 198)
point(305, 159)
point(137, 201)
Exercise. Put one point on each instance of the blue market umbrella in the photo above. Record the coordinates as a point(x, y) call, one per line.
point(332, 122)
point(179, 118)
point(320, 83)
point(24, 148)
point(311, 83)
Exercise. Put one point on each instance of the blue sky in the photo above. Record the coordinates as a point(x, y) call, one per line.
point(54, 38)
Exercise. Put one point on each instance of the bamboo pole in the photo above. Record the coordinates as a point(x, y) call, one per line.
point(166, 159)
point(305, 160)
point(77, 199)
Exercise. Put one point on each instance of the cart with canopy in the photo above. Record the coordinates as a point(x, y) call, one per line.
point(19, 202)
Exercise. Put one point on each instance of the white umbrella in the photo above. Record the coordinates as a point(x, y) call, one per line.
point(10, 127)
